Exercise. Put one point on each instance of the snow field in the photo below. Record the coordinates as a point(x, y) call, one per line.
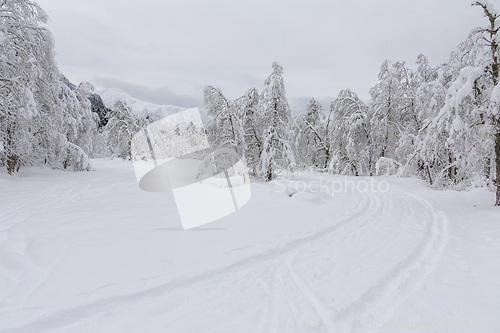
point(84, 252)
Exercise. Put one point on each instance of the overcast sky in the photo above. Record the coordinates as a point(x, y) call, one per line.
point(165, 52)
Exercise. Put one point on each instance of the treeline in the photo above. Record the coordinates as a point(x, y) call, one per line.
point(439, 123)
point(41, 119)
point(44, 119)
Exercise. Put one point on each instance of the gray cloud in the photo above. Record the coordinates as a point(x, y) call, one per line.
point(179, 46)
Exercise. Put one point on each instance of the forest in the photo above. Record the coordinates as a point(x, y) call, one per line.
point(441, 123)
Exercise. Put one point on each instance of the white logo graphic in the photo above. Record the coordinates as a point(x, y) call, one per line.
point(174, 154)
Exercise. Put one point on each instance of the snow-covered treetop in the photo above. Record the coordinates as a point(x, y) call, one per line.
point(313, 111)
point(215, 102)
point(273, 104)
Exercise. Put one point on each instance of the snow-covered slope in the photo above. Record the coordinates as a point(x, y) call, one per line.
point(111, 95)
point(91, 252)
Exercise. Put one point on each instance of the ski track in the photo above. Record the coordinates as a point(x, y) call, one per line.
point(384, 297)
point(281, 298)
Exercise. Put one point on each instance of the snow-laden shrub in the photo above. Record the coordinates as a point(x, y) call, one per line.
point(388, 166)
point(76, 159)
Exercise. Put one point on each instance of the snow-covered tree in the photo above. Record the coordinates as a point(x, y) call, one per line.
point(311, 136)
point(225, 124)
point(247, 107)
point(32, 112)
point(393, 108)
point(121, 127)
point(350, 138)
point(275, 112)
point(489, 38)
point(79, 121)
point(429, 94)
point(26, 57)
point(313, 112)
point(460, 140)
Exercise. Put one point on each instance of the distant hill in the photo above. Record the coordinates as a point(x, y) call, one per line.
point(111, 95)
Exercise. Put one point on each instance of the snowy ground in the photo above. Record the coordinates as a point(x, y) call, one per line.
point(91, 252)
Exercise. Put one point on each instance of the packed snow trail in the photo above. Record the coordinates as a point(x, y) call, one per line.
point(368, 255)
point(276, 276)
